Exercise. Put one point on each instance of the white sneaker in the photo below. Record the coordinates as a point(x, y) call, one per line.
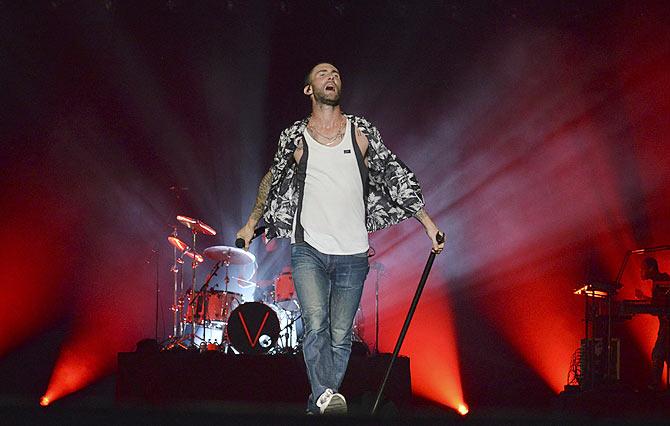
point(331, 403)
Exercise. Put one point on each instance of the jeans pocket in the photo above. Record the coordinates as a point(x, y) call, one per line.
point(298, 246)
point(360, 260)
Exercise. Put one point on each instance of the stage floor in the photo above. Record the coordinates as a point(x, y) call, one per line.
point(97, 411)
point(100, 408)
point(214, 388)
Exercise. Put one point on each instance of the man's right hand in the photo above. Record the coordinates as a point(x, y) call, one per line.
point(246, 233)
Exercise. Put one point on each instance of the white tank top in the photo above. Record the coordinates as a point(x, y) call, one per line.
point(333, 210)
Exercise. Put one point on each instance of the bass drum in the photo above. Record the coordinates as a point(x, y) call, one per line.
point(253, 328)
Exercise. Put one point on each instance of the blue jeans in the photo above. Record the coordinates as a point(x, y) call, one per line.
point(329, 289)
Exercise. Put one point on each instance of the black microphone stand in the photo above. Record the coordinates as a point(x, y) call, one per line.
point(408, 320)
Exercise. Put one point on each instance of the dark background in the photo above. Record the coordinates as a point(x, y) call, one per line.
point(537, 129)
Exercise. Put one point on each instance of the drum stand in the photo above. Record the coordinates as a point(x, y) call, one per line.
point(194, 299)
point(177, 301)
point(226, 310)
point(196, 226)
point(288, 333)
point(176, 320)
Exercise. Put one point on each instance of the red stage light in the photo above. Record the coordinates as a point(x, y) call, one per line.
point(44, 401)
point(114, 315)
point(75, 369)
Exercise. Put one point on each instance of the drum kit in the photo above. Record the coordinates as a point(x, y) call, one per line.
point(205, 318)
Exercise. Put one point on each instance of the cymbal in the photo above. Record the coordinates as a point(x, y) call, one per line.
point(194, 255)
point(230, 255)
point(196, 225)
point(177, 243)
point(185, 249)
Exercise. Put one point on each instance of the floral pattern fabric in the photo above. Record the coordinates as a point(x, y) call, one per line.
point(394, 193)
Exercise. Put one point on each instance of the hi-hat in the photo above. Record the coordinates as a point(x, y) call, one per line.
point(229, 255)
point(196, 225)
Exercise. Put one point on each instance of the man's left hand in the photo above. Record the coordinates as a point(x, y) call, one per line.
point(437, 247)
point(432, 230)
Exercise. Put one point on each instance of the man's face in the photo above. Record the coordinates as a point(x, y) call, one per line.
point(325, 84)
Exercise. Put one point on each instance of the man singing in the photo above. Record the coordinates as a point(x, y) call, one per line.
point(332, 181)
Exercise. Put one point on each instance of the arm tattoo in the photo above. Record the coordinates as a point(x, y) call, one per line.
point(263, 191)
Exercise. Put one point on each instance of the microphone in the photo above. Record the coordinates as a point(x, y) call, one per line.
point(239, 243)
point(638, 251)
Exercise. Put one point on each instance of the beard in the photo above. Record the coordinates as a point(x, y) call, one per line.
point(331, 99)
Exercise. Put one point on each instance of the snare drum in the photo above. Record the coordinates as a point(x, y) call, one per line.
point(217, 304)
point(253, 328)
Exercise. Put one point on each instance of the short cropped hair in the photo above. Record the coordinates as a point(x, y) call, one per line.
point(307, 80)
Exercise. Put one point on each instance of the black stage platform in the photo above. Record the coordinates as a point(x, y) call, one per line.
point(183, 388)
point(186, 376)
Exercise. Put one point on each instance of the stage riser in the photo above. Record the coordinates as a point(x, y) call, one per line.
point(181, 376)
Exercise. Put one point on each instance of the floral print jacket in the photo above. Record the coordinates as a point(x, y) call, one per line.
point(394, 193)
